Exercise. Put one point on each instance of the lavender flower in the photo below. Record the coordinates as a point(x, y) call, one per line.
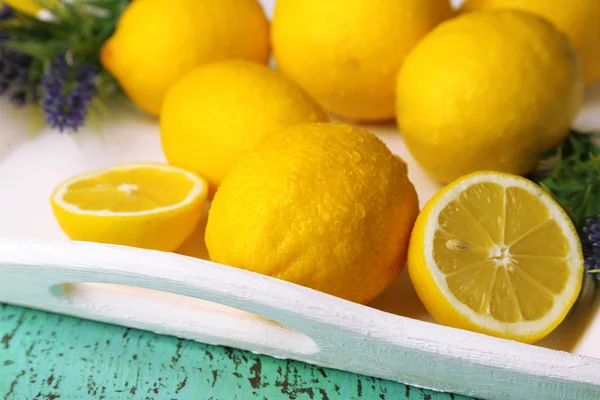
point(14, 68)
point(14, 80)
point(68, 93)
point(591, 247)
point(5, 12)
point(64, 83)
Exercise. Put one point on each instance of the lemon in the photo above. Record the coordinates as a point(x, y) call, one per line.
point(146, 205)
point(346, 53)
point(194, 245)
point(579, 19)
point(489, 90)
point(31, 7)
point(220, 110)
point(322, 205)
point(494, 253)
point(156, 42)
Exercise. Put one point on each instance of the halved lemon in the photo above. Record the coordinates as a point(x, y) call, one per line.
point(494, 253)
point(147, 205)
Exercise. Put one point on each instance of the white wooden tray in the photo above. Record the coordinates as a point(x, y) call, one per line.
point(393, 338)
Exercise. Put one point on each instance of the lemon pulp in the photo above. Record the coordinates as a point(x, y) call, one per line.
point(509, 267)
point(129, 190)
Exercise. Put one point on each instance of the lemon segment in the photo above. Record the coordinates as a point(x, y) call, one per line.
point(144, 205)
point(495, 254)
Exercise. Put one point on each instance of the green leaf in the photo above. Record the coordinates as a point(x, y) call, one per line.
point(571, 173)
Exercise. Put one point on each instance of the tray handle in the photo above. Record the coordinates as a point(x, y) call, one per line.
point(334, 332)
point(81, 279)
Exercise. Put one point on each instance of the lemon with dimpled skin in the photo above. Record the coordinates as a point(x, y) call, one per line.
point(579, 19)
point(220, 110)
point(157, 42)
point(323, 205)
point(488, 90)
point(346, 53)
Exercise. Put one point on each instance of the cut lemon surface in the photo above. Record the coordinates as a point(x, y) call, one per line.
point(145, 205)
point(494, 253)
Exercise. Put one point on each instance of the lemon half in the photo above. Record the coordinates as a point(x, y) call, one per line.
point(494, 253)
point(145, 205)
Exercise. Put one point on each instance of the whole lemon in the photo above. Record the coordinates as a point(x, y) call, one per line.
point(346, 53)
point(322, 205)
point(156, 42)
point(219, 110)
point(579, 19)
point(488, 91)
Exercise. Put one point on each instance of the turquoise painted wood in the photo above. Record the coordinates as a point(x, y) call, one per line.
point(54, 357)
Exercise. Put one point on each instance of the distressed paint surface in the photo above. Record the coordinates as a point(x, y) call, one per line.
point(49, 356)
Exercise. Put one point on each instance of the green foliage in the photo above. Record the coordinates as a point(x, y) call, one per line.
point(571, 173)
point(79, 27)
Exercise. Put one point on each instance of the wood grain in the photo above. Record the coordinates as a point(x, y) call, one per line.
point(46, 356)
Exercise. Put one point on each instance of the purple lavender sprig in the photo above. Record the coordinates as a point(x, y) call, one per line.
point(14, 67)
point(68, 93)
point(591, 246)
point(5, 12)
point(64, 77)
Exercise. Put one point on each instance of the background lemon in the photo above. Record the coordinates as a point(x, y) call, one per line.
point(579, 19)
point(157, 42)
point(322, 205)
point(346, 53)
point(220, 110)
point(488, 90)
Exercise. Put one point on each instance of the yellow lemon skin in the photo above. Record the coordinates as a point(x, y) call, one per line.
point(488, 91)
point(579, 19)
point(157, 42)
point(434, 299)
point(220, 110)
point(346, 53)
point(27, 6)
point(322, 205)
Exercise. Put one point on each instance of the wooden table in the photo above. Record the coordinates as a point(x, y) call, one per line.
point(54, 357)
